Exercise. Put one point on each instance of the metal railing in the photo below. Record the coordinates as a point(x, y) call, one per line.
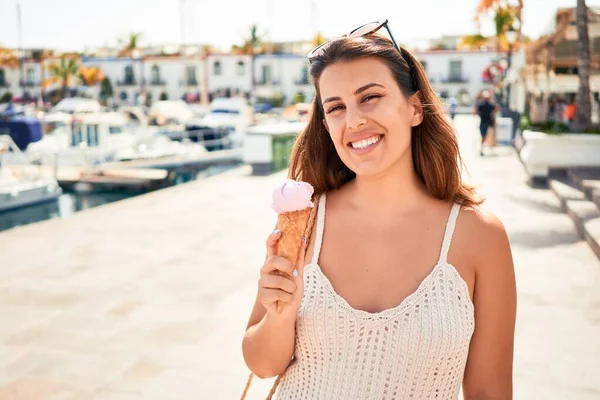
point(211, 138)
point(455, 79)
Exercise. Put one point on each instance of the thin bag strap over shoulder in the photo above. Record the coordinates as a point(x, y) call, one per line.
point(307, 234)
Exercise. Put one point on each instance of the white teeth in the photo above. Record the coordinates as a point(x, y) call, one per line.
point(362, 144)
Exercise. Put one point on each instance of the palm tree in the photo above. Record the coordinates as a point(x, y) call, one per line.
point(504, 19)
point(91, 76)
point(8, 58)
point(253, 44)
point(131, 46)
point(319, 39)
point(473, 42)
point(132, 43)
point(485, 6)
point(583, 108)
point(63, 73)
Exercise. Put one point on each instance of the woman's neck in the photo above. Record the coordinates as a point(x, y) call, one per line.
point(395, 191)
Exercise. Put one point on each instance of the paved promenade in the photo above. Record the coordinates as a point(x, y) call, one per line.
point(148, 298)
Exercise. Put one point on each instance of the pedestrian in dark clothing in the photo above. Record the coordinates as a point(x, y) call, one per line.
point(486, 111)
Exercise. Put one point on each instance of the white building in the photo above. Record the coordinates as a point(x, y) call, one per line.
point(229, 73)
point(171, 77)
point(283, 73)
point(458, 73)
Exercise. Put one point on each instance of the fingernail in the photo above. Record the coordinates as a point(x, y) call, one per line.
point(276, 232)
point(295, 273)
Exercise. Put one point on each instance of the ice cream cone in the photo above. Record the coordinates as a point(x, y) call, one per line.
point(292, 226)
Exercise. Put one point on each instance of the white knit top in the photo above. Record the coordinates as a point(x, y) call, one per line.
point(416, 350)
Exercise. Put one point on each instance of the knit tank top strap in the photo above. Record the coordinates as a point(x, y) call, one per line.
point(320, 228)
point(450, 225)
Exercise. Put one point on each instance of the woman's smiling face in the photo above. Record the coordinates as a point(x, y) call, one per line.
point(368, 118)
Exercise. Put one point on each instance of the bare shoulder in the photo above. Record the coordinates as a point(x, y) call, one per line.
point(483, 237)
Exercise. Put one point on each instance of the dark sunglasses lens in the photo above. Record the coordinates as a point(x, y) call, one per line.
point(366, 29)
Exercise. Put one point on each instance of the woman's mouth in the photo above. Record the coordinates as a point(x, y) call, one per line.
point(365, 145)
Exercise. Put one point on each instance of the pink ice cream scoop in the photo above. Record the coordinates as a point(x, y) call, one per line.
point(291, 195)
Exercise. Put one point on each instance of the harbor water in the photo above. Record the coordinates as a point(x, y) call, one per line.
point(71, 202)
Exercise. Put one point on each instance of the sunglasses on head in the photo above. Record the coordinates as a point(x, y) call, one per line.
point(363, 30)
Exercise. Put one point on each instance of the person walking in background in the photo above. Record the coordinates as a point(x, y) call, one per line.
point(569, 113)
point(452, 105)
point(486, 110)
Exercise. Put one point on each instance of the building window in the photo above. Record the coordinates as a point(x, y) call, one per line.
point(424, 65)
point(30, 76)
point(266, 75)
point(113, 130)
point(190, 75)
point(155, 75)
point(77, 134)
point(92, 135)
point(241, 68)
point(129, 76)
point(217, 68)
point(2, 78)
point(303, 76)
point(455, 71)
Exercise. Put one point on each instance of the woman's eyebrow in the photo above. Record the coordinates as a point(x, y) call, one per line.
point(357, 91)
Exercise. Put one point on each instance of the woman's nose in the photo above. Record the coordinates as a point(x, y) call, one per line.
point(355, 119)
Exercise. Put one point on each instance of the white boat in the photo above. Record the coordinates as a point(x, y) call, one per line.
point(83, 139)
point(223, 126)
point(21, 183)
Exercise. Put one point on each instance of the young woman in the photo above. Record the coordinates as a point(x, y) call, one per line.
point(406, 289)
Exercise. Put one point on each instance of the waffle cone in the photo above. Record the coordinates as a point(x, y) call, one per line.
point(293, 227)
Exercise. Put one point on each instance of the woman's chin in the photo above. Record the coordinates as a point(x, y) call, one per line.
point(368, 169)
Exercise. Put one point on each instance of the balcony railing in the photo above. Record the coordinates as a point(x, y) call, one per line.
point(455, 79)
point(263, 82)
point(28, 84)
point(4, 84)
point(157, 82)
point(127, 82)
point(188, 82)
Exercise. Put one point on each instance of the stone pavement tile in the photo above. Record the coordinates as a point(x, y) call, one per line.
point(110, 395)
point(31, 388)
point(26, 361)
point(80, 371)
point(134, 379)
point(85, 372)
point(16, 318)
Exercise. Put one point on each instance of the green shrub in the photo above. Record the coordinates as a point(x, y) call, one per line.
point(6, 97)
point(299, 98)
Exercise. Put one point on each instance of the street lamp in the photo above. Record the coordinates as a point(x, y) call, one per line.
point(511, 38)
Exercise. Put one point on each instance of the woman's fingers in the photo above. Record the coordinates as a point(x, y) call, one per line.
point(270, 296)
point(278, 282)
point(272, 241)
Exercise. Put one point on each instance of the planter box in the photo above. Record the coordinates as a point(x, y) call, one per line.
point(543, 152)
point(267, 147)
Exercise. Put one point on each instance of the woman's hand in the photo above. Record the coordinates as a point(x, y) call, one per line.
point(277, 281)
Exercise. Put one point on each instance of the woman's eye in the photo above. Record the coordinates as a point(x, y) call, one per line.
point(332, 109)
point(371, 97)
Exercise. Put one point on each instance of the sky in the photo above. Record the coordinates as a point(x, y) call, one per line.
point(75, 25)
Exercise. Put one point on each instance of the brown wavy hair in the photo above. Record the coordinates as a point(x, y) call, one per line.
point(436, 156)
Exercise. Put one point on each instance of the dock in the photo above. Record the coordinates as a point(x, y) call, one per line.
point(102, 177)
point(219, 157)
point(135, 175)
